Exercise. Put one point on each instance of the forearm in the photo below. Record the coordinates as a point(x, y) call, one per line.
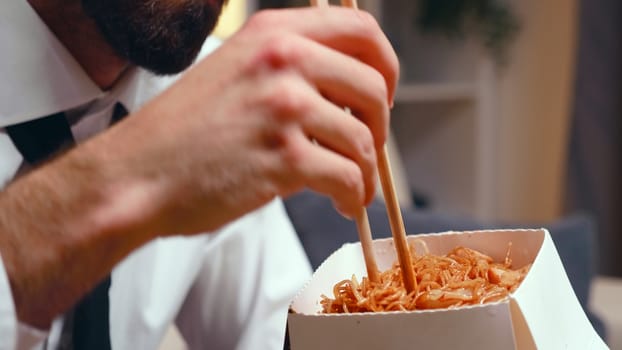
point(233, 133)
point(62, 229)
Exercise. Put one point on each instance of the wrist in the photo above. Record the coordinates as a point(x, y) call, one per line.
point(62, 228)
point(124, 200)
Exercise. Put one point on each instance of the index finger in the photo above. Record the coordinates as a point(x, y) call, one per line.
point(353, 32)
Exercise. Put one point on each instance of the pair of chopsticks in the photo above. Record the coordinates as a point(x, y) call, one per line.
point(393, 209)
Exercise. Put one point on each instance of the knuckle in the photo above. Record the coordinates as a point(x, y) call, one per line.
point(282, 50)
point(286, 100)
point(369, 20)
point(262, 20)
point(292, 152)
point(278, 52)
point(368, 24)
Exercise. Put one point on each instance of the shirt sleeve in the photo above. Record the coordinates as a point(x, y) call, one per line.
point(13, 334)
point(241, 295)
point(8, 319)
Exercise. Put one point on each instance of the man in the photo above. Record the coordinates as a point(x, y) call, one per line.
point(259, 118)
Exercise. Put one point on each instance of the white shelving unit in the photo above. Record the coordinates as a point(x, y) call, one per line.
point(435, 92)
point(443, 122)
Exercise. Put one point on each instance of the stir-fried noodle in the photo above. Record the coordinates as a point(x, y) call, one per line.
point(462, 277)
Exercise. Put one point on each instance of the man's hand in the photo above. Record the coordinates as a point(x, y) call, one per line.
point(264, 116)
point(261, 117)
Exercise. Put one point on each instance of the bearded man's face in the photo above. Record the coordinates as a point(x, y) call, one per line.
point(163, 36)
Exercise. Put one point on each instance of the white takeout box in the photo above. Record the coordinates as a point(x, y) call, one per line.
point(543, 313)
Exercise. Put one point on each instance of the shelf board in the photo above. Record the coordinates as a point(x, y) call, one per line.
point(435, 92)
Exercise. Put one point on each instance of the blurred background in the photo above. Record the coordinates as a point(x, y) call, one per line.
point(507, 111)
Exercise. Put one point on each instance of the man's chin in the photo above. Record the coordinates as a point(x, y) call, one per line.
point(164, 63)
point(163, 36)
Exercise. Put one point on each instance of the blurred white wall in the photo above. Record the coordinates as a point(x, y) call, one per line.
point(535, 94)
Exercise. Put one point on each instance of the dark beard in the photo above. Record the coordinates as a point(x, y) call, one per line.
point(163, 36)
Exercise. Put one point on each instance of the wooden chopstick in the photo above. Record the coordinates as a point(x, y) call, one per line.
point(393, 208)
point(362, 221)
point(396, 221)
point(364, 230)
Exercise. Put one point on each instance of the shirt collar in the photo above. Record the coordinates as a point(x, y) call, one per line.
point(44, 78)
point(40, 77)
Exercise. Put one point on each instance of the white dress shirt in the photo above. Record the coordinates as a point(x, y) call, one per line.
point(225, 290)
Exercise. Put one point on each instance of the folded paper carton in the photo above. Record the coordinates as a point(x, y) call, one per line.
point(543, 313)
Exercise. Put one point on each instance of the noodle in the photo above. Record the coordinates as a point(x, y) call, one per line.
point(462, 277)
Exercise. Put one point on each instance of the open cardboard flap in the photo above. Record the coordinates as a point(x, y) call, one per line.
point(542, 313)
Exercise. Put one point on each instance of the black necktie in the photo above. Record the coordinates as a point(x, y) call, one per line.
point(38, 140)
